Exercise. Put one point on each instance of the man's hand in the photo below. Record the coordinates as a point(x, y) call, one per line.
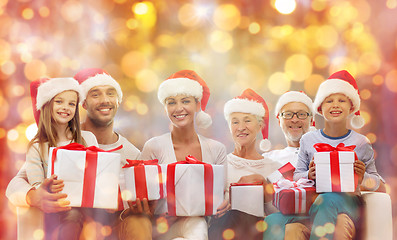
point(140, 207)
point(253, 178)
point(312, 171)
point(222, 209)
point(46, 201)
point(359, 169)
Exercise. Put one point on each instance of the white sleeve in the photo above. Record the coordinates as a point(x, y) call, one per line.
point(148, 151)
point(18, 188)
point(89, 138)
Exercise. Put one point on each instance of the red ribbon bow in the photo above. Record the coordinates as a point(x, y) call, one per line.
point(134, 163)
point(334, 161)
point(89, 170)
point(208, 185)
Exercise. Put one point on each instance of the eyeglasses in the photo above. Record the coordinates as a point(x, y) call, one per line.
point(300, 115)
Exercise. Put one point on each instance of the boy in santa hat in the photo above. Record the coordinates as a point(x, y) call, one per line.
point(337, 99)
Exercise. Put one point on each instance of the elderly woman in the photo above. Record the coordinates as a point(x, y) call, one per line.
point(247, 116)
point(184, 96)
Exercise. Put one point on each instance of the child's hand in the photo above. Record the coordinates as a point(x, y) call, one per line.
point(312, 171)
point(222, 209)
point(359, 169)
point(57, 185)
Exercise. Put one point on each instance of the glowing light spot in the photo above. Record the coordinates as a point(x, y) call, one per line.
point(142, 109)
point(2, 132)
point(194, 40)
point(106, 231)
point(35, 69)
point(312, 83)
point(72, 11)
point(285, 6)
point(378, 80)
point(140, 8)
point(133, 62)
point(261, 226)
point(369, 183)
point(298, 67)
point(227, 17)
point(44, 12)
point(366, 116)
point(5, 50)
point(326, 36)
point(228, 234)
point(318, 5)
point(319, 231)
point(191, 15)
point(8, 68)
point(391, 4)
point(146, 80)
point(254, 28)
point(125, 194)
point(221, 41)
point(38, 234)
point(329, 228)
point(365, 94)
point(91, 229)
point(162, 225)
point(391, 82)
point(12, 135)
point(371, 137)
point(269, 188)
point(369, 63)
point(279, 83)
point(17, 90)
point(132, 23)
point(27, 13)
point(31, 131)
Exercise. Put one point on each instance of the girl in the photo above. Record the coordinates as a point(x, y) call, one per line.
point(247, 116)
point(59, 124)
point(182, 95)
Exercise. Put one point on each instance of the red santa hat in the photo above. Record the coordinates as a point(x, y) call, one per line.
point(44, 89)
point(92, 77)
point(295, 96)
point(189, 83)
point(250, 102)
point(341, 82)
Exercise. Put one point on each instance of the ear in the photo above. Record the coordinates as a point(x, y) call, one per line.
point(198, 106)
point(84, 105)
point(320, 110)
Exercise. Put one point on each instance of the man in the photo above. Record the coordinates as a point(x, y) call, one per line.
point(295, 112)
point(102, 97)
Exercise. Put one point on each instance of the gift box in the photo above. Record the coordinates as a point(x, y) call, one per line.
point(294, 197)
point(143, 179)
point(194, 188)
point(284, 172)
point(90, 174)
point(247, 198)
point(335, 168)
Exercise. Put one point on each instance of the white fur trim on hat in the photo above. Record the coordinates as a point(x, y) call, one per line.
point(265, 145)
point(203, 120)
point(49, 89)
point(357, 121)
point(332, 86)
point(244, 106)
point(101, 79)
point(293, 96)
point(176, 86)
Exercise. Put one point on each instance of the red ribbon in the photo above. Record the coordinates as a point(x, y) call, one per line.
point(140, 176)
point(90, 169)
point(334, 162)
point(208, 185)
point(287, 170)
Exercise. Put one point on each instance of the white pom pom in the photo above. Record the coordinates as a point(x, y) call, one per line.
point(203, 120)
point(312, 128)
point(357, 121)
point(265, 145)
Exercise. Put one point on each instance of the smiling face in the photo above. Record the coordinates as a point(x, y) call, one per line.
point(294, 128)
point(101, 104)
point(336, 108)
point(244, 128)
point(64, 107)
point(181, 110)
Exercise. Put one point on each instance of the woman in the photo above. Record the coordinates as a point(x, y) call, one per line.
point(184, 96)
point(247, 115)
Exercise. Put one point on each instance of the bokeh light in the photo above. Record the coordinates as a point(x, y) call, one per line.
point(285, 6)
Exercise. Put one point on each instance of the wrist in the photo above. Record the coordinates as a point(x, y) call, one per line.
point(30, 196)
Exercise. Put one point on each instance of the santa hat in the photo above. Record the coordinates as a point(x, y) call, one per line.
point(189, 83)
point(92, 77)
point(44, 89)
point(250, 102)
point(295, 96)
point(341, 82)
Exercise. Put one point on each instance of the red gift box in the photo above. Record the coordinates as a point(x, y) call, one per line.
point(143, 179)
point(194, 188)
point(294, 197)
point(335, 168)
point(284, 172)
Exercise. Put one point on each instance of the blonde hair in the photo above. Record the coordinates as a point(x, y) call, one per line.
point(46, 128)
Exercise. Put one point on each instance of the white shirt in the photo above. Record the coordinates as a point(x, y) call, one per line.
point(283, 156)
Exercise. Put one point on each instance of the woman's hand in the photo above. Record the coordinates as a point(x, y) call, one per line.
point(312, 171)
point(222, 209)
point(253, 178)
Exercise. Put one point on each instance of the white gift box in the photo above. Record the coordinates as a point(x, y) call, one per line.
point(284, 172)
point(95, 186)
point(335, 171)
point(247, 198)
point(144, 181)
point(189, 185)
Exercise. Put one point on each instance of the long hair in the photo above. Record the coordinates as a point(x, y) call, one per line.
point(46, 130)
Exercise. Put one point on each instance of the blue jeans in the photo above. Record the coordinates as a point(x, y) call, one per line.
point(322, 214)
